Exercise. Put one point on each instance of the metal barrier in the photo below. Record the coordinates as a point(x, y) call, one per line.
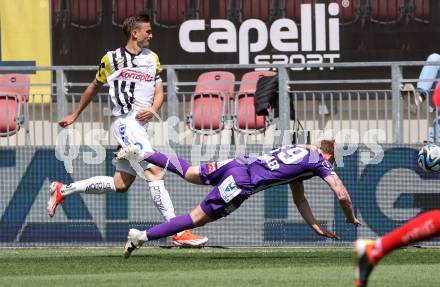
point(357, 103)
point(30, 160)
point(384, 195)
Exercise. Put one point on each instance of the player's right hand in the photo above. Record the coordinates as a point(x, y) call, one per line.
point(145, 114)
point(68, 120)
point(327, 233)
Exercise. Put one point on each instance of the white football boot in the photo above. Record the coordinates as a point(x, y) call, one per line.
point(133, 242)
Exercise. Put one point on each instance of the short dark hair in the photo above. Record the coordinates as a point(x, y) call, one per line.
point(131, 23)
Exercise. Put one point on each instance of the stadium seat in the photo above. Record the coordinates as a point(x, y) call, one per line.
point(245, 118)
point(209, 101)
point(125, 8)
point(203, 10)
point(231, 8)
point(252, 9)
point(12, 100)
point(55, 12)
point(350, 14)
point(85, 13)
point(224, 8)
point(421, 10)
point(170, 13)
point(206, 9)
point(292, 8)
point(386, 12)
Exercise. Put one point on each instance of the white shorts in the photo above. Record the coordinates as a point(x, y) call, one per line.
point(127, 130)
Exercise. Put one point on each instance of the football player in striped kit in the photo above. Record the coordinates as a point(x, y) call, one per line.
point(136, 91)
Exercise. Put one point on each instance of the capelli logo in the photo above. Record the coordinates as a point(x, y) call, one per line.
point(316, 40)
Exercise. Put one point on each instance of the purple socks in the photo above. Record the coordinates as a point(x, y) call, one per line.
point(175, 225)
point(170, 162)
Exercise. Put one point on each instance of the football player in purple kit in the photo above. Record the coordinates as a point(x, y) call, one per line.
point(235, 180)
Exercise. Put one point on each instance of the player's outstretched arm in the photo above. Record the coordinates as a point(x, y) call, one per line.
point(304, 209)
point(341, 192)
point(87, 96)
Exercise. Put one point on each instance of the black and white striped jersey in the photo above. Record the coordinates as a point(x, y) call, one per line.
point(132, 78)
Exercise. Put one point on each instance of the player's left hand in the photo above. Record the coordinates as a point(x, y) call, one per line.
point(354, 221)
point(145, 114)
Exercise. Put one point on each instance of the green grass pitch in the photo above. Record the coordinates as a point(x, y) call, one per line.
point(210, 267)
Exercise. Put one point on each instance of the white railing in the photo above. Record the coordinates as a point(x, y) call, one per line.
point(356, 103)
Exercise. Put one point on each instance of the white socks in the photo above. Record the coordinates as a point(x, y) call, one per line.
point(161, 198)
point(104, 184)
point(143, 236)
point(93, 185)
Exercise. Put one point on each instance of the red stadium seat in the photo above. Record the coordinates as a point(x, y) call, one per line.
point(292, 8)
point(207, 9)
point(12, 100)
point(169, 13)
point(349, 14)
point(8, 82)
point(55, 12)
point(85, 13)
point(209, 102)
point(245, 119)
point(208, 113)
point(232, 8)
point(223, 8)
point(418, 10)
point(386, 12)
point(216, 82)
point(253, 9)
point(202, 10)
point(122, 9)
point(421, 12)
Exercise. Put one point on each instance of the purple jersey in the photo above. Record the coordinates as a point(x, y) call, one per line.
point(287, 164)
point(237, 179)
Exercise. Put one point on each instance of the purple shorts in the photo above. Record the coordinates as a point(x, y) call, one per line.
point(232, 187)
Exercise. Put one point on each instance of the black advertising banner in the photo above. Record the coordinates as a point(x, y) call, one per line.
point(277, 31)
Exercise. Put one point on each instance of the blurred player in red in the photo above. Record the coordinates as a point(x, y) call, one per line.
point(436, 96)
point(368, 253)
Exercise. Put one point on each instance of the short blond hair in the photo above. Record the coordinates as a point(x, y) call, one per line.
point(328, 146)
